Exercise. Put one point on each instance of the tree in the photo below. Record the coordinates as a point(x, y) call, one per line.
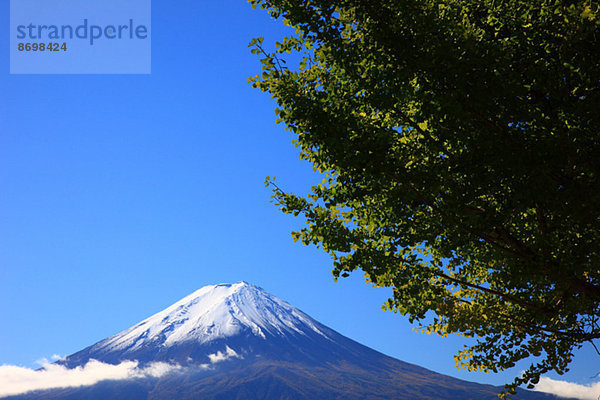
point(459, 144)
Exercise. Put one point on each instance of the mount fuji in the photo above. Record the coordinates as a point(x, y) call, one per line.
point(236, 341)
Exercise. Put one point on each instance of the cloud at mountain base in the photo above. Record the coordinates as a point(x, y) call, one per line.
point(569, 389)
point(16, 380)
point(222, 356)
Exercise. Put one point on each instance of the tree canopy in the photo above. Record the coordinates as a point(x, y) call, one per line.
point(459, 147)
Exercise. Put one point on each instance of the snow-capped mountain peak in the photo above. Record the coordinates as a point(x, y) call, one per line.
point(215, 312)
point(237, 341)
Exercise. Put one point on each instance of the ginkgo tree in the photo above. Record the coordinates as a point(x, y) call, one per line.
point(459, 142)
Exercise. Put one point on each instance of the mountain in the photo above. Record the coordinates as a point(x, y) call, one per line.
point(236, 341)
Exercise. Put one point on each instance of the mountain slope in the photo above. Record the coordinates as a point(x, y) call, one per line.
point(239, 342)
point(240, 315)
point(214, 312)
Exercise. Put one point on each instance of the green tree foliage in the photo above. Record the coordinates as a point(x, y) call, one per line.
point(459, 145)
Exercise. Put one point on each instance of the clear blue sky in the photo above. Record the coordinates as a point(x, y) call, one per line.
point(120, 194)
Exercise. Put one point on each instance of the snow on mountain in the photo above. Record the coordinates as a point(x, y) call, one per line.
point(215, 312)
point(239, 342)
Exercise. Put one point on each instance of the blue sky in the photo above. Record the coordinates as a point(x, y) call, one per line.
point(120, 194)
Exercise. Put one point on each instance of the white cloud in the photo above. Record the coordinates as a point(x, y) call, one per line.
point(16, 380)
point(220, 356)
point(569, 389)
